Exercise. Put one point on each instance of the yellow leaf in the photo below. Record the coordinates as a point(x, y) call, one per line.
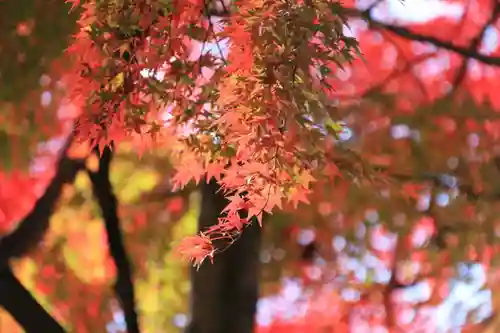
point(336, 126)
point(117, 81)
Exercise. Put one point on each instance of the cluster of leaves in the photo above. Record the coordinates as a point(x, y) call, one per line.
point(249, 119)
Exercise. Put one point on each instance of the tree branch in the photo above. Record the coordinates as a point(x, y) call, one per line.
point(14, 297)
point(475, 44)
point(23, 307)
point(124, 286)
point(32, 228)
point(411, 35)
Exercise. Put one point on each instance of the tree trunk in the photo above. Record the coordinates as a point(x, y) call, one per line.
point(224, 294)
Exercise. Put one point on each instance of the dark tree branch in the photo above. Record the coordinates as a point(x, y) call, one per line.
point(474, 45)
point(397, 72)
point(32, 228)
point(408, 34)
point(14, 297)
point(124, 285)
point(23, 307)
point(418, 81)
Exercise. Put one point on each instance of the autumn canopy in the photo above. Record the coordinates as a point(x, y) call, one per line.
point(335, 124)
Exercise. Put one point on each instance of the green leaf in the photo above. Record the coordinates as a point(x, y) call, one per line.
point(335, 128)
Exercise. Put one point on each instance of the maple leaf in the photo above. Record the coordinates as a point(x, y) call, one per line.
point(232, 222)
point(257, 204)
point(297, 195)
point(305, 178)
point(270, 198)
point(236, 202)
point(214, 170)
point(274, 200)
point(196, 248)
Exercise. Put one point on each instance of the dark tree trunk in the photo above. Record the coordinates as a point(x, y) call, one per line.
point(224, 294)
point(108, 203)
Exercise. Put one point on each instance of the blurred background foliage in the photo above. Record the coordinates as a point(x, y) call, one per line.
point(35, 34)
point(72, 274)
